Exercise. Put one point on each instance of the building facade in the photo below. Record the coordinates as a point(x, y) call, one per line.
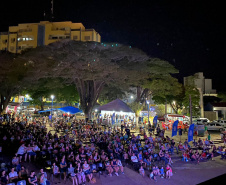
point(203, 85)
point(31, 35)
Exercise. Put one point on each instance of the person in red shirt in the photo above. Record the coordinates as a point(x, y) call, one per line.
point(203, 155)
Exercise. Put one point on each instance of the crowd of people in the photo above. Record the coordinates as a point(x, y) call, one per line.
point(79, 150)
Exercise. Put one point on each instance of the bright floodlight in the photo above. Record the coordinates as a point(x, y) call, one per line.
point(131, 97)
point(95, 110)
point(52, 97)
point(148, 102)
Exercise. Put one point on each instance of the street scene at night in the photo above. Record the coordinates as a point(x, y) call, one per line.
point(108, 93)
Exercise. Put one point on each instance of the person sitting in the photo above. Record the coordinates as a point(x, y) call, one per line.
point(23, 173)
point(169, 171)
point(184, 156)
point(63, 167)
point(108, 166)
point(30, 153)
point(72, 175)
point(141, 171)
point(223, 154)
point(168, 157)
point(80, 174)
point(42, 179)
point(32, 179)
point(152, 176)
point(156, 171)
point(162, 172)
point(16, 163)
point(196, 156)
point(22, 152)
point(4, 178)
point(135, 161)
point(13, 176)
point(203, 155)
point(115, 166)
point(86, 169)
point(119, 163)
point(147, 163)
point(180, 147)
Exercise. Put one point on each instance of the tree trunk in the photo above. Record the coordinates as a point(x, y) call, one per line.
point(89, 92)
point(174, 109)
point(141, 94)
point(42, 104)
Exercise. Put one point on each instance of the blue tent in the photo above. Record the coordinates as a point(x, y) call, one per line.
point(70, 109)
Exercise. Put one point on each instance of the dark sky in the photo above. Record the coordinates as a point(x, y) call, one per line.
point(188, 34)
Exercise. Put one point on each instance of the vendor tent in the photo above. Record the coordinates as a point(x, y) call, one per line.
point(47, 110)
point(116, 105)
point(70, 109)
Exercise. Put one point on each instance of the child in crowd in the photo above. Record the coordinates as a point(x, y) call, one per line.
point(185, 156)
point(162, 172)
point(141, 171)
point(152, 176)
point(169, 171)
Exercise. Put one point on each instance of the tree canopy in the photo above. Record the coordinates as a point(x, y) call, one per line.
point(91, 65)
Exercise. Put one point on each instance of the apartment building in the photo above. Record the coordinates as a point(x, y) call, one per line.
point(31, 35)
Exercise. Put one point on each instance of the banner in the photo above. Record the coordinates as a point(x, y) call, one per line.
point(113, 119)
point(155, 120)
point(191, 132)
point(174, 128)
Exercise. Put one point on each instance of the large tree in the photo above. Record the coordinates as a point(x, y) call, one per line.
point(13, 72)
point(90, 66)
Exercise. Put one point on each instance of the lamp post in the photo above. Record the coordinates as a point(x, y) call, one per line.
point(52, 97)
point(148, 110)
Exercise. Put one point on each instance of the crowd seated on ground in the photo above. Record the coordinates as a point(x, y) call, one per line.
point(84, 150)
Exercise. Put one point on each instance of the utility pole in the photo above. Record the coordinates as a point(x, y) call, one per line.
point(190, 102)
point(165, 112)
point(52, 17)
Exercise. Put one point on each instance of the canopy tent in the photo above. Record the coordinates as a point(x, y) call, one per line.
point(47, 110)
point(115, 105)
point(116, 112)
point(70, 109)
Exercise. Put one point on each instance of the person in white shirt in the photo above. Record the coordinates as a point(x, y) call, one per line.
point(134, 158)
point(13, 176)
point(22, 152)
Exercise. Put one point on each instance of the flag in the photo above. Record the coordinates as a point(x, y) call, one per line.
point(174, 129)
point(155, 120)
point(191, 132)
point(113, 119)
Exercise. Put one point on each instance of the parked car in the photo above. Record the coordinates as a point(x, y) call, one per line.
point(215, 126)
point(200, 121)
point(222, 122)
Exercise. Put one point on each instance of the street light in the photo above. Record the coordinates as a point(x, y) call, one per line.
point(148, 110)
point(52, 97)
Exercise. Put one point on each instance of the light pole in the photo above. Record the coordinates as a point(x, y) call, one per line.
point(148, 110)
point(52, 97)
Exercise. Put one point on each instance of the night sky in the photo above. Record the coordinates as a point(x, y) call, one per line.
point(188, 34)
